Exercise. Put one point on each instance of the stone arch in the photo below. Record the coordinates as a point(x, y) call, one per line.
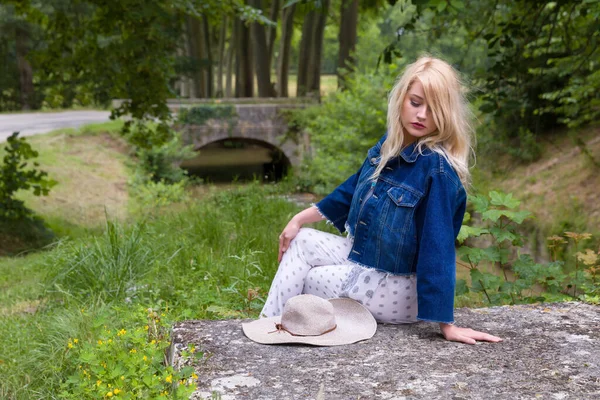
point(260, 122)
point(242, 157)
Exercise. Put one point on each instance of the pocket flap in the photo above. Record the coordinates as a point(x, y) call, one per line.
point(404, 196)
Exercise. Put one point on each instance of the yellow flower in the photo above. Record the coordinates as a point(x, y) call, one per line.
point(122, 377)
point(98, 382)
point(146, 327)
point(169, 379)
point(182, 382)
point(109, 340)
point(133, 351)
point(117, 391)
point(145, 358)
point(121, 332)
point(109, 394)
point(75, 340)
point(70, 345)
point(100, 342)
point(153, 341)
point(194, 376)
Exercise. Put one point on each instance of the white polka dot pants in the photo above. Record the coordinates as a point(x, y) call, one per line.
point(317, 263)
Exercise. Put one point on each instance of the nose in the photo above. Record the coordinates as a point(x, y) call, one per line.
point(422, 112)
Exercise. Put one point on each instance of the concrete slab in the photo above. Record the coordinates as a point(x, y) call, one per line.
point(550, 351)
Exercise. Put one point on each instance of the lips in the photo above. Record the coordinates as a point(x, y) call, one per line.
point(417, 125)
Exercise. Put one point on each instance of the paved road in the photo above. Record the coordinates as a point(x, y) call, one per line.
point(35, 123)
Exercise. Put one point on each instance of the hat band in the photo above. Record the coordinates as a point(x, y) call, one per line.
point(280, 328)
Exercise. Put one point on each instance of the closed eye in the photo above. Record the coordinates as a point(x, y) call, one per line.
point(414, 104)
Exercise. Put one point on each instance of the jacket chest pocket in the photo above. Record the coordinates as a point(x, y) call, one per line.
point(401, 210)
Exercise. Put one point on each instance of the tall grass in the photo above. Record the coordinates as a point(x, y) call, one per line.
point(208, 259)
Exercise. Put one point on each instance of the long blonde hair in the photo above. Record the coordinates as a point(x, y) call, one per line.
point(444, 94)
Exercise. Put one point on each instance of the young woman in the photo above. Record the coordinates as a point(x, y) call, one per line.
point(402, 212)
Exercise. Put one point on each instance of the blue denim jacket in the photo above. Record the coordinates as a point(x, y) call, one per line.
point(405, 223)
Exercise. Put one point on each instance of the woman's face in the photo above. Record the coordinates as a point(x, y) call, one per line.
point(416, 116)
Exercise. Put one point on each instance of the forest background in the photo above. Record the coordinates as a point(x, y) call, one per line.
point(88, 297)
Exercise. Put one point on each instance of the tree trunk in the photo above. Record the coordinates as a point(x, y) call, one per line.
point(347, 39)
point(305, 51)
point(196, 75)
point(25, 70)
point(262, 61)
point(313, 83)
point(244, 74)
point(283, 65)
point(272, 31)
point(230, 57)
point(207, 58)
point(221, 56)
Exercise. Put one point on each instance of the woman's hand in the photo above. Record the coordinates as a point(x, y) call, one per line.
point(289, 232)
point(466, 335)
point(311, 214)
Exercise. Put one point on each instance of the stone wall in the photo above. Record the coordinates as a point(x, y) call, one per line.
point(550, 351)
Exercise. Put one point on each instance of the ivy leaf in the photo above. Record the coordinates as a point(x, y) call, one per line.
point(521, 216)
point(461, 287)
point(502, 234)
point(503, 199)
point(470, 231)
point(480, 203)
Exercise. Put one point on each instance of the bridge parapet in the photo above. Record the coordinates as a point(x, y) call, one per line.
point(201, 124)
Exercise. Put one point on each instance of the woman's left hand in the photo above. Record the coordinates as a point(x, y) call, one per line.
point(466, 335)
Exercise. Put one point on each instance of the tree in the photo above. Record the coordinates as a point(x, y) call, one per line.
point(311, 46)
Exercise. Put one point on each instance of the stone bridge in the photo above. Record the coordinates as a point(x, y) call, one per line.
point(264, 123)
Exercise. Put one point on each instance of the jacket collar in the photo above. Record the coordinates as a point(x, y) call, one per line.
point(410, 153)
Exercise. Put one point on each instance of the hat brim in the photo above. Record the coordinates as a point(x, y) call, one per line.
point(354, 323)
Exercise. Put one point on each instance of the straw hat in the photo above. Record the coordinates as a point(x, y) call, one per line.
point(312, 320)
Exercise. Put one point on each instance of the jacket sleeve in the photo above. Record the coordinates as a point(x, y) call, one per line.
point(438, 218)
point(335, 207)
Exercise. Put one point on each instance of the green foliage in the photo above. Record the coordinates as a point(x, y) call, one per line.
point(198, 115)
point(15, 175)
point(161, 163)
point(343, 128)
point(126, 361)
point(519, 277)
point(105, 268)
point(541, 67)
point(156, 195)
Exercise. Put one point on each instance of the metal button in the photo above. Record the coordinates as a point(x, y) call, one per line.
point(373, 160)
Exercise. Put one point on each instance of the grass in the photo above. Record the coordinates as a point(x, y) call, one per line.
point(89, 165)
point(211, 260)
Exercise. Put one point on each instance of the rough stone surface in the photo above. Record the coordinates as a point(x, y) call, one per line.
point(550, 351)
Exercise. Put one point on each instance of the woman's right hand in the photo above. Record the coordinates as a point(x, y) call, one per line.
point(311, 214)
point(289, 232)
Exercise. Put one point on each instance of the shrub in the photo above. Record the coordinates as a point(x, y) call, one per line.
point(15, 176)
point(522, 279)
point(126, 362)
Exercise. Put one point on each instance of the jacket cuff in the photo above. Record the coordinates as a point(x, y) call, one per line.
point(327, 209)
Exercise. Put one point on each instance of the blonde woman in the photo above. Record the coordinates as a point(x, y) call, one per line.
point(402, 211)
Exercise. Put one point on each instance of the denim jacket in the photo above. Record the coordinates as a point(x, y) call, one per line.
point(405, 223)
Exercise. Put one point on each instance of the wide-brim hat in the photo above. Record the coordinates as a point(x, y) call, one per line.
point(309, 319)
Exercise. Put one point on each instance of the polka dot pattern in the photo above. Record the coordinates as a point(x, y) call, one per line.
point(322, 259)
